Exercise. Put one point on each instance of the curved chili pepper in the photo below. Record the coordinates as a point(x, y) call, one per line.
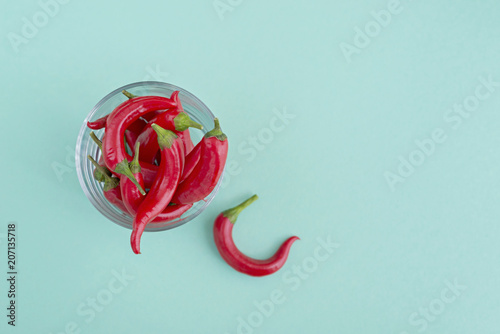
point(188, 142)
point(132, 198)
point(173, 119)
point(205, 175)
point(111, 188)
point(101, 122)
point(125, 114)
point(191, 161)
point(162, 190)
point(98, 124)
point(223, 236)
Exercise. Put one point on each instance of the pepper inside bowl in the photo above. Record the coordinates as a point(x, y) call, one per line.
point(93, 189)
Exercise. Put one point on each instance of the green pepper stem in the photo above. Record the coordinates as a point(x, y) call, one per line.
point(182, 122)
point(96, 140)
point(124, 169)
point(99, 176)
point(232, 214)
point(135, 166)
point(109, 182)
point(216, 131)
point(127, 94)
point(166, 138)
point(98, 167)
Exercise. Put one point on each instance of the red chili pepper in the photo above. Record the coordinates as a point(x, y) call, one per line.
point(191, 161)
point(118, 121)
point(111, 188)
point(188, 142)
point(223, 236)
point(205, 175)
point(132, 198)
point(162, 190)
point(174, 120)
point(98, 124)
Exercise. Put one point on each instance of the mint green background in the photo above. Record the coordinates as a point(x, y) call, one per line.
point(323, 175)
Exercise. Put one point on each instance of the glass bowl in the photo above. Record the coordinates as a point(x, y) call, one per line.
point(93, 189)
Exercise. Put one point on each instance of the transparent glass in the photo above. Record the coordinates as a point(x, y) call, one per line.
point(198, 112)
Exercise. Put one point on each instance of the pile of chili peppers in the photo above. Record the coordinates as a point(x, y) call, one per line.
point(149, 165)
point(152, 170)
